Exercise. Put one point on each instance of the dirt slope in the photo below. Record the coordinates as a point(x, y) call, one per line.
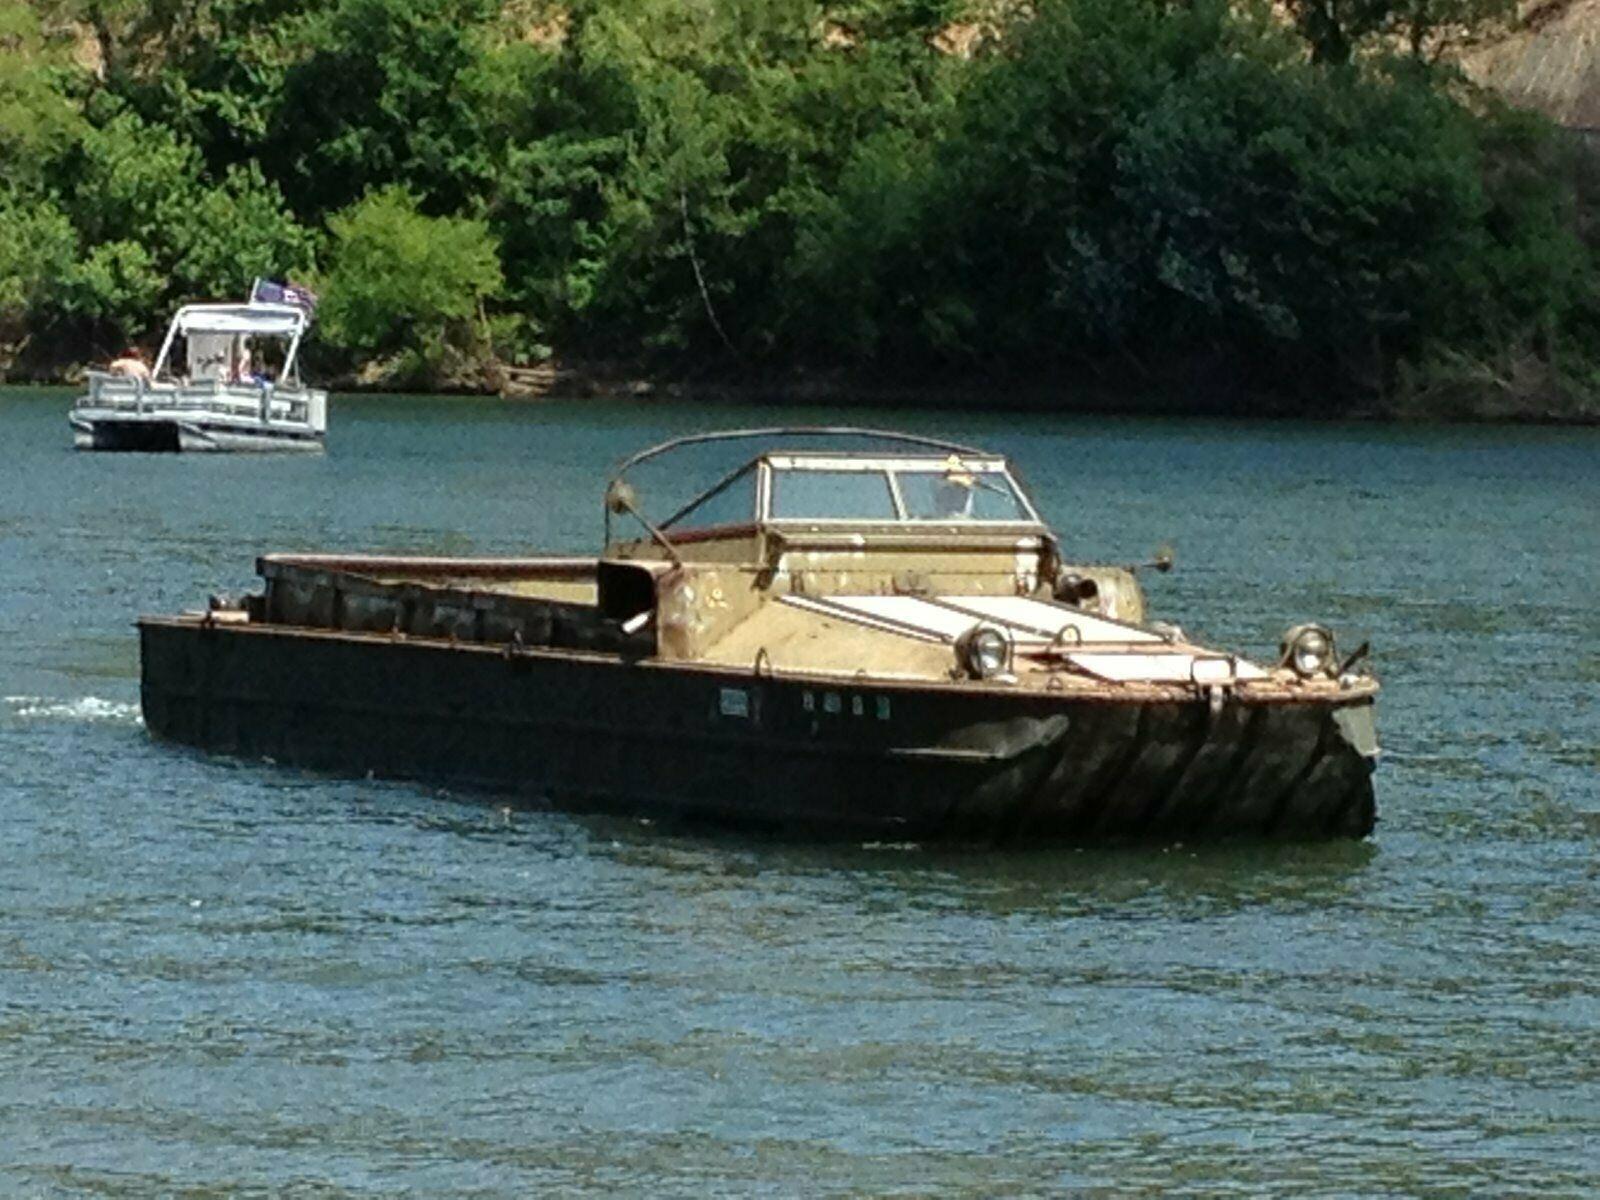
point(1551, 63)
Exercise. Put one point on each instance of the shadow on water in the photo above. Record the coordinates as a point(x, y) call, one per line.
point(1042, 877)
point(696, 870)
point(1039, 880)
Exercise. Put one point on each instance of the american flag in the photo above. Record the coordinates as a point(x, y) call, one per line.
point(269, 291)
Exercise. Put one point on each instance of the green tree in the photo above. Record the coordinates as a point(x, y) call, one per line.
point(1286, 211)
point(1162, 187)
point(1335, 28)
point(232, 231)
point(404, 284)
point(725, 130)
point(141, 182)
point(565, 126)
point(38, 250)
point(38, 119)
point(383, 97)
point(117, 285)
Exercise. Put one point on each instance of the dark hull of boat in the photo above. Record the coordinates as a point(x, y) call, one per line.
point(155, 436)
point(811, 758)
point(139, 437)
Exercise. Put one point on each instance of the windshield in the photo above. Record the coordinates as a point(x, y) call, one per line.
point(731, 502)
point(833, 496)
point(895, 493)
point(948, 495)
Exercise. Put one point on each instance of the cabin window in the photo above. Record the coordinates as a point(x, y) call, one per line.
point(945, 495)
point(832, 496)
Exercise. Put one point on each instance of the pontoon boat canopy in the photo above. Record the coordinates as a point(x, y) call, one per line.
point(278, 319)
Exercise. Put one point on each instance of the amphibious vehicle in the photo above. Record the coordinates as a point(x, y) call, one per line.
point(878, 643)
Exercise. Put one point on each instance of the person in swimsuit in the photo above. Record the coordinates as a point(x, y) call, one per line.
point(131, 365)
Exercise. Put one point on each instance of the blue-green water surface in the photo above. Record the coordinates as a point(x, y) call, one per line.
point(225, 978)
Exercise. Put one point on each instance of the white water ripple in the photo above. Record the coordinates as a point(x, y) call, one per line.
point(82, 708)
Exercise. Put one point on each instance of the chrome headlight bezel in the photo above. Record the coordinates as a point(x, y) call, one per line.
point(984, 652)
point(1309, 651)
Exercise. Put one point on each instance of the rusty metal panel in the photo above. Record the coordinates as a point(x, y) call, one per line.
point(868, 759)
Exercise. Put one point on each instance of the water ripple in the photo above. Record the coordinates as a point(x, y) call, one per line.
point(223, 978)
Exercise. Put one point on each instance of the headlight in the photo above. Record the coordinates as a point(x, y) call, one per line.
point(1309, 650)
point(983, 652)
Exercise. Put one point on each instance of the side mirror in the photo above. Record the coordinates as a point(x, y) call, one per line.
point(621, 498)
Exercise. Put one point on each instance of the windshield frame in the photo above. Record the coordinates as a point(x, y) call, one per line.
point(674, 522)
point(891, 466)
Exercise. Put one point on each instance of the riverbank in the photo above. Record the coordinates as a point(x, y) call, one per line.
point(1522, 392)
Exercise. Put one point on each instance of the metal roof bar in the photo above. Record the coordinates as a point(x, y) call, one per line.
point(729, 435)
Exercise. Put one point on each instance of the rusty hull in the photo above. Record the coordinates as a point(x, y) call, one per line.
point(549, 701)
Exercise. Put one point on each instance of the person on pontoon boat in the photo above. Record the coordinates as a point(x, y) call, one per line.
point(241, 372)
point(131, 365)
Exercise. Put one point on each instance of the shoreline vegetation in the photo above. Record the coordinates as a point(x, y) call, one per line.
point(1480, 403)
point(1097, 205)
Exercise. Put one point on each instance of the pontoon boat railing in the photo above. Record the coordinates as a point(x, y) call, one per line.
point(118, 393)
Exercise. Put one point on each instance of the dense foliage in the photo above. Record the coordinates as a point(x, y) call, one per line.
point(1151, 190)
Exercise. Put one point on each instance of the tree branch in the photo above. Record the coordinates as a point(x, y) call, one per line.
point(699, 276)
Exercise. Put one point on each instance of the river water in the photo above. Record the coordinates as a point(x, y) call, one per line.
point(224, 978)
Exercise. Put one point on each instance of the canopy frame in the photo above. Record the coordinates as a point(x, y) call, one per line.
point(254, 320)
